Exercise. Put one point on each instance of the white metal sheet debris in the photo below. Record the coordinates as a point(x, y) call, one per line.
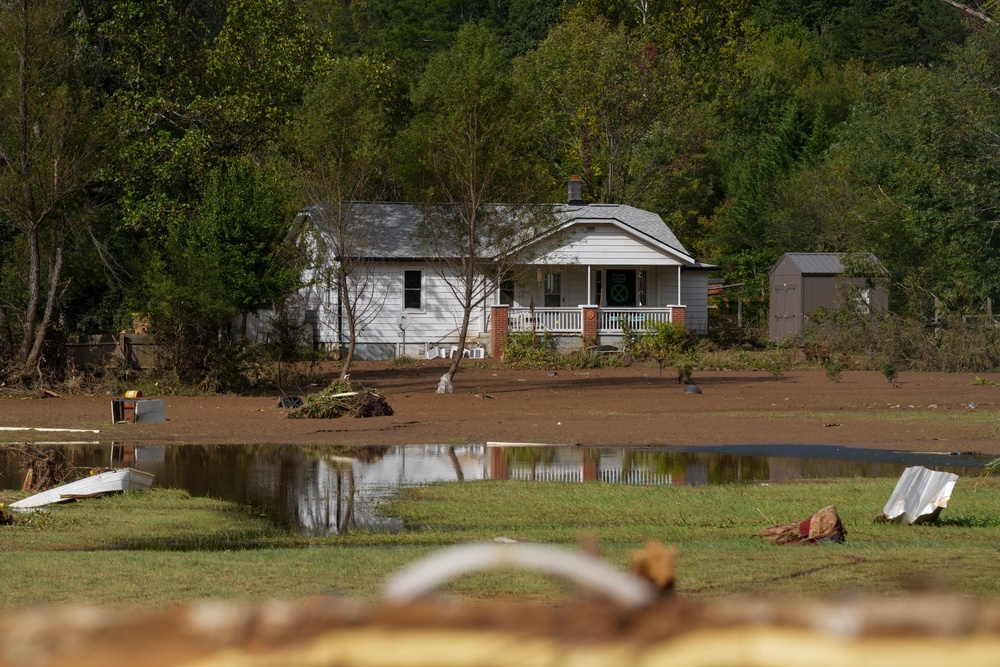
point(919, 496)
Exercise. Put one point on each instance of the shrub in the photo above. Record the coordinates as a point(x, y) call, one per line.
point(890, 371)
point(834, 370)
point(526, 350)
point(667, 340)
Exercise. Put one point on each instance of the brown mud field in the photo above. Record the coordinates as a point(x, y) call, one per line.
point(636, 406)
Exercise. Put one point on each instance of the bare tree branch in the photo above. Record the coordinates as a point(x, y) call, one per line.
point(975, 13)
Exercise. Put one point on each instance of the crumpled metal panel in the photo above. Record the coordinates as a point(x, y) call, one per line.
point(920, 495)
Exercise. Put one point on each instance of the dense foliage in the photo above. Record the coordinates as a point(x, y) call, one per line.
point(152, 153)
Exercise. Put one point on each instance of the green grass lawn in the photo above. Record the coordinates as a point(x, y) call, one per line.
point(165, 547)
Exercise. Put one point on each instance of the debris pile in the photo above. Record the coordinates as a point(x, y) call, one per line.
point(823, 526)
point(338, 399)
point(43, 469)
point(370, 404)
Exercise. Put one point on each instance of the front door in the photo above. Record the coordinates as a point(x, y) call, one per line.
point(621, 288)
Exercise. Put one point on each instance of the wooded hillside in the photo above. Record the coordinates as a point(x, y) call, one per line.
point(153, 152)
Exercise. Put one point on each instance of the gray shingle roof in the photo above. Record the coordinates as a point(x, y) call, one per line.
point(645, 222)
point(398, 222)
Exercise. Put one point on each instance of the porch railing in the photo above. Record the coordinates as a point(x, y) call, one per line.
point(638, 319)
point(554, 320)
point(570, 320)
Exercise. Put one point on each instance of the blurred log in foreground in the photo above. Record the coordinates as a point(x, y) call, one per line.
point(914, 631)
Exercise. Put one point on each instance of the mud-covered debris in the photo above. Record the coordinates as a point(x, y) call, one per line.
point(823, 526)
point(656, 564)
point(370, 404)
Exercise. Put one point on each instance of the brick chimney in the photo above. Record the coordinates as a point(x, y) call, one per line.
point(575, 191)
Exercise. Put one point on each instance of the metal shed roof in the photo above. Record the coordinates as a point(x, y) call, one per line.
point(824, 262)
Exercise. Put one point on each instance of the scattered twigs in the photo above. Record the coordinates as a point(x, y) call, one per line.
point(42, 469)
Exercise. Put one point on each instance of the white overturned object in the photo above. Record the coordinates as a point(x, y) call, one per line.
point(919, 496)
point(422, 577)
point(123, 479)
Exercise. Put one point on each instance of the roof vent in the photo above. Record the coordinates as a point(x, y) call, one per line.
point(575, 191)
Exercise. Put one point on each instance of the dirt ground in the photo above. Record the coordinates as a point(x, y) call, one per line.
point(609, 406)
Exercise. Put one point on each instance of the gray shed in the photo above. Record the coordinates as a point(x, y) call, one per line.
point(801, 282)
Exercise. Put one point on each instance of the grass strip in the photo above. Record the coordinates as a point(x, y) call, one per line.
point(165, 547)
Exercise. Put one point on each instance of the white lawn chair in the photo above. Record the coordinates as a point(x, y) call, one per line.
point(433, 351)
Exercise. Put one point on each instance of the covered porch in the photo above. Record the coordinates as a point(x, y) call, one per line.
point(609, 321)
point(592, 300)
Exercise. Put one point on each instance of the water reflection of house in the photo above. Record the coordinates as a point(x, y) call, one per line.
point(345, 493)
point(574, 465)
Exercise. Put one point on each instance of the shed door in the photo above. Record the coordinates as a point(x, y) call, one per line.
point(621, 288)
point(785, 308)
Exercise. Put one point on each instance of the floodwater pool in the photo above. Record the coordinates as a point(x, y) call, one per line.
point(322, 490)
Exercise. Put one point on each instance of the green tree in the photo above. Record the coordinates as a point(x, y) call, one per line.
point(244, 219)
point(614, 111)
point(192, 84)
point(342, 137)
point(47, 156)
point(473, 169)
point(234, 254)
point(704, 37)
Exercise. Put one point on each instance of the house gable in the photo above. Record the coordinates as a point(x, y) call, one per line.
point(608, 243)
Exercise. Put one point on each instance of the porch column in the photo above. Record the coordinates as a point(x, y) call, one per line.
point(678, 284)
point(499, 330)
point(589, 317)
point(678, 315)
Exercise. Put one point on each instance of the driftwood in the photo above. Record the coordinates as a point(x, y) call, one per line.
point(42, 469)
point(823, 526)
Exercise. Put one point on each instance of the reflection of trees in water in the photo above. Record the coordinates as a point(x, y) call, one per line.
point(325, 499)
point(335, 489)
point(697, 468)
point(365, 454)
point(330, 499)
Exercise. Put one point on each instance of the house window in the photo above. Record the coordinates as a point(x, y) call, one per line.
point(598, 289)
point(553, 290)
point(641, 288)
point(413, 280)
point(507, 292)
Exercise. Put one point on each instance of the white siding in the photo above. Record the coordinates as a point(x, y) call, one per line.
point(694, 293)
point(438, 321)
point(666, 287)
point(606, 245)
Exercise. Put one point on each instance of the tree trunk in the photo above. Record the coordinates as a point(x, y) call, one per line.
point(42, 330)
point(463, 332)
point(34, 292)
point(352, 325)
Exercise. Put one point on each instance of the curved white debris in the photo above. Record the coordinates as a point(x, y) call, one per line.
point(422, 577)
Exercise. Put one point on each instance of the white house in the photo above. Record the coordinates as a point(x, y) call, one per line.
point(608, 264)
